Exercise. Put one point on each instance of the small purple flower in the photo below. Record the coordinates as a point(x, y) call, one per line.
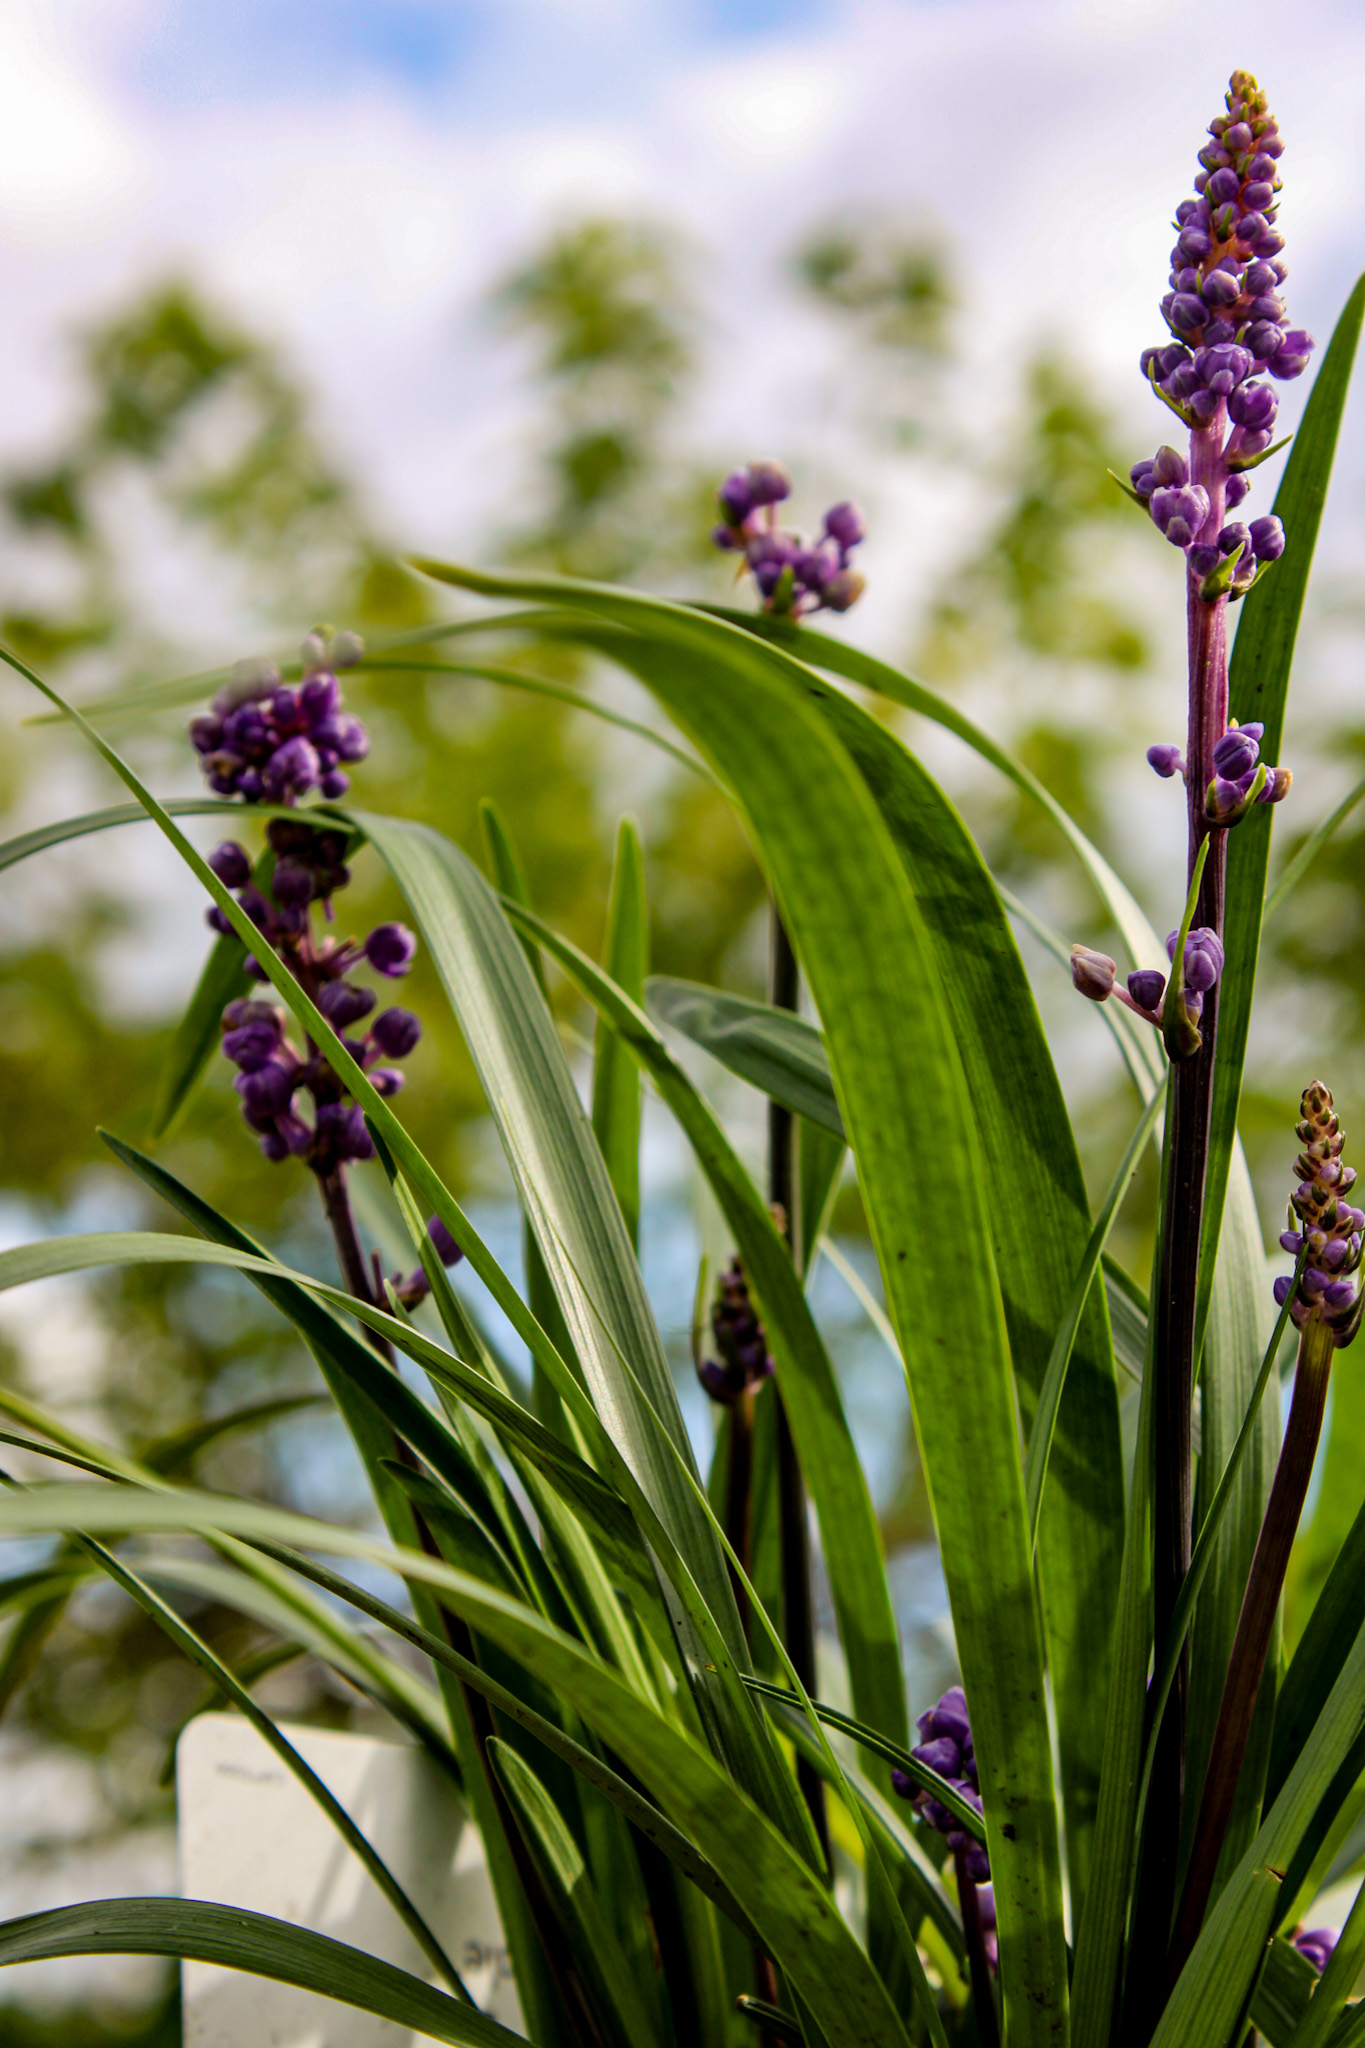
point(391, 950)
point(1180, 511)
point(1267, 538)
point(1167, 759)
point(1147, 986)
point(396, 1032)
point(736, 498)
point(291, 884)
point(769, 483)
point(267, 1089)
point(251, 1045)
point(1317, 1944)
point(232, 864)
point(1238, 750)
point(844, 524)
point(1092, 973)
point(343, 1004)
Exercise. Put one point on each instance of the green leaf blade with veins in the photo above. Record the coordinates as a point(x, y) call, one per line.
point(870, 962)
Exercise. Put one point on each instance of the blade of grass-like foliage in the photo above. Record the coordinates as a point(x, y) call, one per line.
point(1040, 1218)
point(565, 1193)
point(820, 1429)
point(644, 1817)
point(1039, 1224)
point(863, 1295)
point(822, 652)
point(237, 1939)
point(1201, 2010)
point(197, 1650)
point(43, 836)
point(967, 1818)
point(870, 961)
point(310, 1628)
point(538, 686)
point(1282, 1991)
point(793, 1913)
point(1101, 1914)
point(775, 1050)
point(1050, 1394)
point(1258, 684)
point(616, 1089)
point(898, 1846)
point(1298, 867)
point(138, 700)
point(1223, 1495)
point(167, 1453)
point(627, 2019)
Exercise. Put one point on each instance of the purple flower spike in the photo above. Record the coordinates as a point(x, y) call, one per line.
point(1326, 1292)
point(391, 950)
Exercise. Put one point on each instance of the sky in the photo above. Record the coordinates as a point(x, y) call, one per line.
point(348, 176)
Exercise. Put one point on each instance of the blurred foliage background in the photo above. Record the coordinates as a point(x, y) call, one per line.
point(193, 486)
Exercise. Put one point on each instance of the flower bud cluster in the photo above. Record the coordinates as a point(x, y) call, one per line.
point(1227, 267)
point(266, 739)
point(793, 575)
point(1227, 313)
point(271, 1071)
point(740, 1339)
point(1328, 1227)
point(946, 1747)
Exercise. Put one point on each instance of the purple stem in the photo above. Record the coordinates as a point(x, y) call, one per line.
point(983, 1988)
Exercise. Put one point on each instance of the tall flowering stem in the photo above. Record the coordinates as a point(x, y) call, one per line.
point(1327, 1312)
point(1231, 343)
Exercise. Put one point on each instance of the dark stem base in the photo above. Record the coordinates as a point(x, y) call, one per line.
point(1255, 1628)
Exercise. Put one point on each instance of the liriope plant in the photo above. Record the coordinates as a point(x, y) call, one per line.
point(1111, 1830)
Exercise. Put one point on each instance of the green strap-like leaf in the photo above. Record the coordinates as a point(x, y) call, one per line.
point(820, 651)
point(871, 965)
point(774, 1050)
point(820, 1429)
point(236, 1939)
point(564, 1191)
point(628, 2019)
point(616, 1092)
point(794, 1914)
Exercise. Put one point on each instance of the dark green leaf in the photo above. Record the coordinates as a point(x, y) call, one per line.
point(773, 1049)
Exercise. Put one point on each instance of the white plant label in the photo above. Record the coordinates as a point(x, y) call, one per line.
point(251, 1836)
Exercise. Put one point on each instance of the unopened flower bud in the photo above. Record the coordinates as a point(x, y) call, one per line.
point(1092, 973)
